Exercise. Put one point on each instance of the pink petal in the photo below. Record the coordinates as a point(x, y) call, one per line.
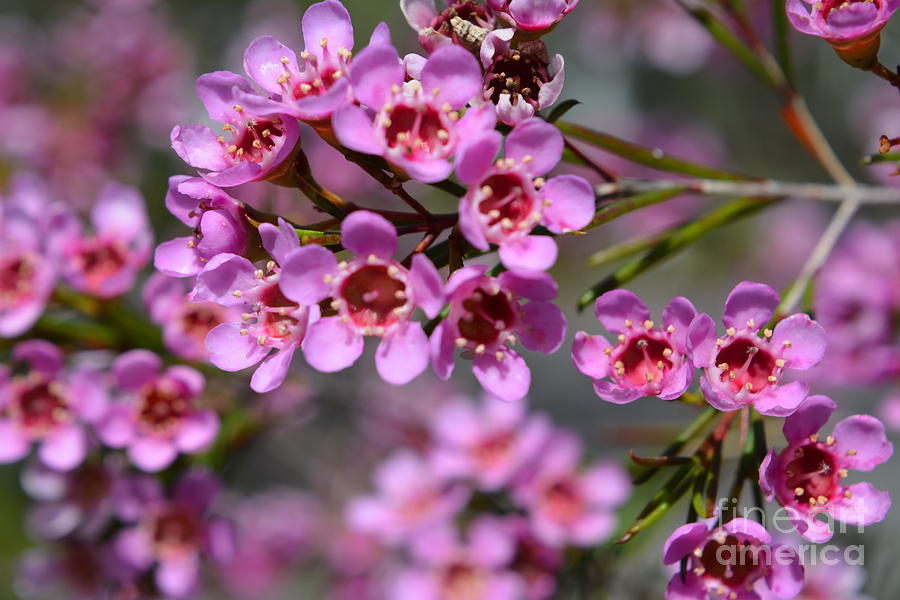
point(679, 313)
point(785, 577)
point(279, 241)
point(217, 92)
point(507, 379)
point(262, 62)
point(747, 302)
point(135, 368)
point(13, 444)
point(702, 341)
point(274, 368)
point(475, 156)
point(809, 418)
point(64, 449)
point(197, 432)
point(303, 274)
point(861, 443)
point(865, 506)
point(442, 348)
point(571, 203)
point(689, 589)
point(677, 383)
point(768, 470)
point(551, 90)
point(543, 327)
point(40, 355)
point(366, 233)
point(231, 351)
point(606, 484)
point(426, 171)
point(354, 129)
point(588, 355)
point(530, 253)
point(135, 547)
point(328, 21)
point(381, 35)
point(782, 400)
point(533, 285)
point(199, 147)
point(191, 378)
point(331, 345)
point(221, 277)
point(178, 258)
point(375, 71)
point(120, 213)
point(476, 121)
point(116, 428)
point(611, 392)
point(179, 577)
point(539, 140)
point(684, 541)
point(593, 529)
point(418, 13)
point(151, 454)
point(806, 338)
point(402, 355)
point(469, 225)
point(616, 307)
point(452, 75)
point(748, 527)
point(427, 285)
point(513, 113)
point(243, 172)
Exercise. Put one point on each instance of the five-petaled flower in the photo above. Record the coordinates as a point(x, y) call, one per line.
point(646, 360)
point(807, 477)
point(741, 368)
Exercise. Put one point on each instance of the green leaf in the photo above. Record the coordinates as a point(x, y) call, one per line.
point(560, 110)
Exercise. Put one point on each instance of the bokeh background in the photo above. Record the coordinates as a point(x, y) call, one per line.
point(90, 92)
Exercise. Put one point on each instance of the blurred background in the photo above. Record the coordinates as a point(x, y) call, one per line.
point(89, 90)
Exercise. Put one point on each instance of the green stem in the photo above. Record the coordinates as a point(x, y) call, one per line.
point(617, 208)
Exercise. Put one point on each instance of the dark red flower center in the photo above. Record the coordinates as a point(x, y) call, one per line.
point(563, 501)
point(746, 365)
point(505, 200)
point(100, 259)
point(252, 140)
point(462, 581)
point(197, 320)
point(164, 403)
point(275, 318)
point(177, 529)
point(644, 360)
point(374, 295)
point(16, 279)
point(735, 561)
point(812, 474)
point(416, 130)
point(494, 448)
point(41, 404)
point(486, 315)
point(518, 72)
point(830, 5)
point(92, 485)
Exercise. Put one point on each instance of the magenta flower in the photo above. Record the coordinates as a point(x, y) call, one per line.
point(49, 406)
point(505, 201)
point(807, 476)
point(520, 81)
point(435, 28)
point(219, 224)
point(27, 276)
point(314, 86)
point(158, 415)
point(731, 561)
point(252, 148)
point(742, 368)
point(476, 568)
point(647, 360)
point(489, 443)
point(487, 316)
point(106, 263)
point(567, 506)
point(841, 21)
point(373, 294)
point(173, 535)
point(533, 16)
point(270, 320)
point(410, 497)
point(416, 124)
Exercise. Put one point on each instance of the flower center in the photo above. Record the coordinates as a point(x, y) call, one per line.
point(251, 140)
point(416, 130)
point(486, 314)
point(563, 502)
point(734, 560)
point(375, 295)
point(508, 203)
point(197, 320)
point(16, 279)
point(494, 449)
point(40, 405)
point(643, 360)
point(830, 5)
point(91, 487)
point(163, 404)
point(746, 365)
point(176, 531)
point(812, 475)
point(462, 581)
point(100, 259)
point(520, 72)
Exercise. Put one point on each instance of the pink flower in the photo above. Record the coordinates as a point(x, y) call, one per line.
point(175, 534)
point(410, 497)
point(807, 476)
point(48, 406)
point(486, 316)
point(436, 28)
point(448, 567)
point(505, 201)
point(533, 16)
point(158, 415)
point(185, 324)
point(731, 561)
point(314, 86)
point(106, 263)
point(27, 276)
point(647, 360)
point(270, 321)
point(536, 563)
point(742, 368)
point(252, 148)
point(837, 580)
point(416, 124)
point(489, 443)
point(218, 220)
point(373, 294)
point(518, 80)
point(567, 506)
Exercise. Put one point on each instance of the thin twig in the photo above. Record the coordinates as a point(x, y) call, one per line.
point(606, 174)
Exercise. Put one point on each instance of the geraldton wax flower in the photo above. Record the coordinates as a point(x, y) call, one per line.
point(743, 368)
point(807, 477)
point(852, 27)
point(463, 22)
